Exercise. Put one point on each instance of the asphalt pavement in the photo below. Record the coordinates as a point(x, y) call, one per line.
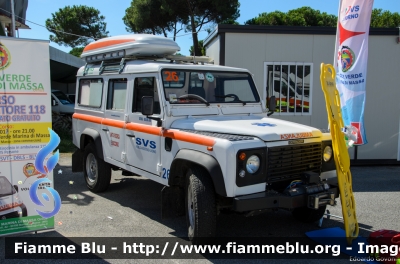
point(131, 207)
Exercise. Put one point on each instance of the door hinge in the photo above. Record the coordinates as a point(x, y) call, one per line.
point(159, 168)
point(123, 156)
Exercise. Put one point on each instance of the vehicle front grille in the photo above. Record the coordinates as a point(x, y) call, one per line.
point(288, 162)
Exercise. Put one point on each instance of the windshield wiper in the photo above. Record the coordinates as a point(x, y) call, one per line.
point(195, 96)
point(234, 96)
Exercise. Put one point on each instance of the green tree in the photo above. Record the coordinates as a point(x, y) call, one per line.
point(384, 19)
point(82, 23)
point(306, 16)
point(201, 47)
point(77, 51)
point(230, 21)
point(154, 17)
point(202, 12)
point(276, 18)
point(303, 16)
point(162, 16)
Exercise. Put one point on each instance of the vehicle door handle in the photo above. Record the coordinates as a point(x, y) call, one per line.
point(105, 129)
point(130, 135)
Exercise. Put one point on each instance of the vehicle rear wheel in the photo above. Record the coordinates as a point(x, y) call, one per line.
point(308, 215)
point(201, 213)
point(96, 171)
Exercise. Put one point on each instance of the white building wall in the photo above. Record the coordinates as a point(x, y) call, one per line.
point(247, 51)
point(212, 50)
point(382, 110)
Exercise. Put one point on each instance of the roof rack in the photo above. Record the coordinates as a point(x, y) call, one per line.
point(118, 64)
point(115, 56)
point(194, 59)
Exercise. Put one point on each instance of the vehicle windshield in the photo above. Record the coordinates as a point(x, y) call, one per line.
point(5, 187)
point(197, 87)
point(62, 97)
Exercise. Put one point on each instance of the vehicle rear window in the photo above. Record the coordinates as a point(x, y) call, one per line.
point(90, 92)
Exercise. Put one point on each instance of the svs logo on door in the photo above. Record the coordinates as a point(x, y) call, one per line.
point(146, 145)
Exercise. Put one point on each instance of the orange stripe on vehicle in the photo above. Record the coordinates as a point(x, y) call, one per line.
point(144, 128)
point(9, 206)
point(174, 134)
point(93, 119)
point(105, 43)
point(189, 137)
point(114, 123)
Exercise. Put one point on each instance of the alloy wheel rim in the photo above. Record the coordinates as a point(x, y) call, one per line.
point(91, 168)
point(190, 208)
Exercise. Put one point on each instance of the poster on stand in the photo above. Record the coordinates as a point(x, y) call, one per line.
point(25, 125)
point(351, 57)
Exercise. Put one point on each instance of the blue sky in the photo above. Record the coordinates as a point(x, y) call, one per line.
point(39, 10)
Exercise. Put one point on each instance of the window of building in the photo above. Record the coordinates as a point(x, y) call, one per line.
point(116, 94)
point(291, 84)
point(90, 92)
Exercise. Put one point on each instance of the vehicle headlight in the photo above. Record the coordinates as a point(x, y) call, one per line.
point(327, 153)
point(253, 164)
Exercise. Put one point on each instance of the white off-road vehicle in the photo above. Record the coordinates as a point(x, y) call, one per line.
point(200, 129)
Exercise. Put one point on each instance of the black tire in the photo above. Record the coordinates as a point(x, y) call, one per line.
point(201, 212)
point(24, 211)
point(96, 171)
point(308, 215)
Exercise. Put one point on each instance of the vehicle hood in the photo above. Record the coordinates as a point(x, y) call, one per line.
point(67, 108)
point(265, 128)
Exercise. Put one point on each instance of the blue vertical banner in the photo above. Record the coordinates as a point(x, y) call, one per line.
point(351, 62)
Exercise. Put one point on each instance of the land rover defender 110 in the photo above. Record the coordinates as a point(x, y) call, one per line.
point(200, 129)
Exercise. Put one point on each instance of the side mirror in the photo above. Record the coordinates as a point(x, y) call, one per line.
point(271, 105)
point(147, 105)
point(53, 102)
point(16, 187)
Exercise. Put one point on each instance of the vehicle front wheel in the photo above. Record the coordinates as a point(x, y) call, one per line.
point(96, 171)
point(24, 210)
point(308, 215)
point(201, 213)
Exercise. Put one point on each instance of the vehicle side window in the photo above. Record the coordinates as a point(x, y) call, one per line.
point(90, 92)
point(145, 86)
point(116, 96)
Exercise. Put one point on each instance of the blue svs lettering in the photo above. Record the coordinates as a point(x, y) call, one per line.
point(165, 173)
point(351, 13)
point(355, 8)
point(145, 143)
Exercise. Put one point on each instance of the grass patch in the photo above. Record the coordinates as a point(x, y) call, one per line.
point(66, 145)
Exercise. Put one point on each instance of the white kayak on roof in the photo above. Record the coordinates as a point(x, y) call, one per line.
point(134, 45)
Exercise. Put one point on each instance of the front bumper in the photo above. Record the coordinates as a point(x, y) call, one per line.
point(276, 200)
point(13, 212)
